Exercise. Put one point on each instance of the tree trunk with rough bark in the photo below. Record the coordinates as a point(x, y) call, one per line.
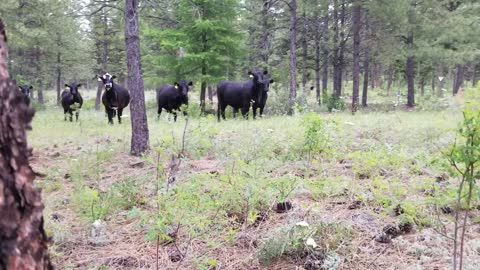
point(293, 55)
point(325, 53)
point(103, 68)
point(410, 71)
point(317, 54)
point(23, 241)
point(304, 51)
point(356, 54)
point(140, 136)
point(459, 78)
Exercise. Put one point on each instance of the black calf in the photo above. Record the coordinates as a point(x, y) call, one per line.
point(71, 100)
point(115, 97)
point(26, 90)
point(172, 97)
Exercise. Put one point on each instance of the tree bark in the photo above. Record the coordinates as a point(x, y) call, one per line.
point(103, 65)
point(265, 42)
point(474, 75)
point(389, 79)
point(317, 52)
point(304, 51)
point(210, 93)
point(203, 87)
point(140, 136)
point(293, 55)
point(366, 63)
point(335, 60)
point(410, 71)
point(23, 241)
point(459, 78)
point(325, 56)
point(441, 83)
point(59, 76)
point(356, 54)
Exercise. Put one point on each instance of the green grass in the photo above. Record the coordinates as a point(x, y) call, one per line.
point(393, 156)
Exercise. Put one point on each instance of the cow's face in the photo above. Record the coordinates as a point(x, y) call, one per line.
point(25, 89)
point(107, 80)
point(261, 82)
point(73, 87)
point(183, 86)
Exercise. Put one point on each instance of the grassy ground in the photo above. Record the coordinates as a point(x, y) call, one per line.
point(208, 196)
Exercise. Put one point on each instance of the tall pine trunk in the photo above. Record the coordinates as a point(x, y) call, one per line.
point(356, 54)
point(103, 65)
point(459, 78)
point(59, 76)
point(23, 241)
point(325, 53)
point(140, 136)
point(410, 71)
point(203, 87)
point(389, 79)
point(474, 75)
point(336, 87)
point(304, 51)
point(317, 53)
point(366, 63)
point(293, 55)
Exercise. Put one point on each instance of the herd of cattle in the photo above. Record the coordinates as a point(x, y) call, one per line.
point(239, 95)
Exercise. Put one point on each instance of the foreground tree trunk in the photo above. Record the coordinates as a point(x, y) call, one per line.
point(140, 137)
point(356, 54)
point(23, 241)
point(293, 55)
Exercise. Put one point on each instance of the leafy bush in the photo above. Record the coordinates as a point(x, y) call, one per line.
point(334, 103)
point(303, 240)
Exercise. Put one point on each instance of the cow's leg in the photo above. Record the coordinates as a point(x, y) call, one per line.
point(261, 111)
point(70, 111)
point(254, 110)
point(110, 115)
point(77, 113)
point(224, 106)
point(159, 112)
point(174, 116)
point(119, 115)
point(65, 114)
point(245, 111)
point(218, 111)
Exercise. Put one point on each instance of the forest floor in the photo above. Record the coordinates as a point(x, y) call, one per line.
point(368, 191)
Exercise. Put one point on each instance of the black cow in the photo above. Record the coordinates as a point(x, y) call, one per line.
point(172, 97)
point(115, 97)
point(26, 90)
point(261, 103)
point(239, 95)
point(71, 100)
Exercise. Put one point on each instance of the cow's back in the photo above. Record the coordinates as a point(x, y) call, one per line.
point(168, 97)
point(235, 94)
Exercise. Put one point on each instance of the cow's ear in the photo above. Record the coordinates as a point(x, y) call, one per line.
point(79, 85)
point(250, 74)
point(66, 85)
point(113, 77)
point(272, 81)
point(31, 87)
point(190, 83)
point(175, 84)
point(99, 78)
point(265, 72)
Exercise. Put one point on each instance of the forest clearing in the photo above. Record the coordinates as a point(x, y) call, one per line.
point(240, 134)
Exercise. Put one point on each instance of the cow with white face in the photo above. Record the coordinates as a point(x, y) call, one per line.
point(115, 97)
